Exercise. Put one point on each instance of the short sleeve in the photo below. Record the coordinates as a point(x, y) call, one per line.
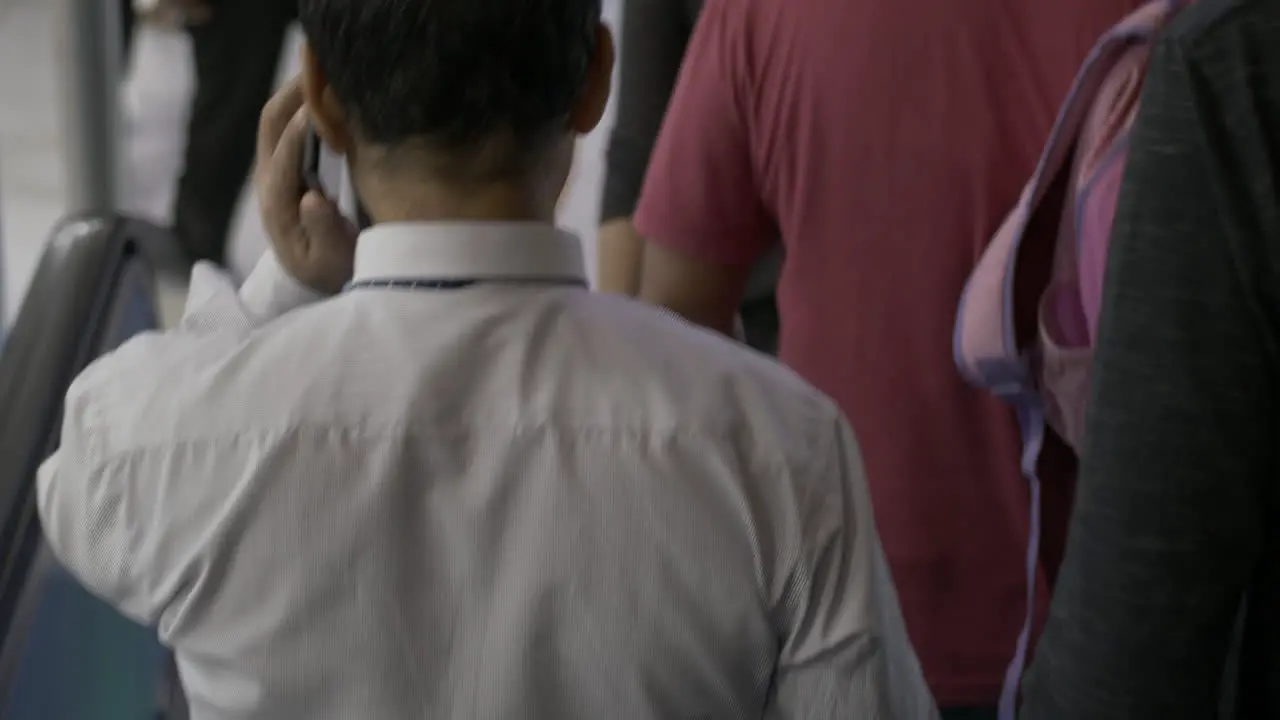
point(701, 193)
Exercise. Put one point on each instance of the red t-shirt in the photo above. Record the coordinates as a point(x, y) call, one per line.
point(884, 141)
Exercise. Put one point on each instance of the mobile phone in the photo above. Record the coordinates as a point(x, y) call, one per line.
point(331, 178)
point(312, 149)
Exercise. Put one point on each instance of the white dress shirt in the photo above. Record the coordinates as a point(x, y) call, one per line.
point(511, 500)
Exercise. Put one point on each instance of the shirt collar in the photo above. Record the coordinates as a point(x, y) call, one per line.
point(468, 251)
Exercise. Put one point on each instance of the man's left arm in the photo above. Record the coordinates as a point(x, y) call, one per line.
point(701, 211)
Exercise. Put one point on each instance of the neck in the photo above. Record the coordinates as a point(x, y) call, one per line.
point(399, 192)
point(426, 202)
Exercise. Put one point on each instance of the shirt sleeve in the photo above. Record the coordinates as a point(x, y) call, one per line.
point(214, 303)
point(845, 651)
point(701, 196)
point(98, 504)
point(1169, 510)
point(654, 36)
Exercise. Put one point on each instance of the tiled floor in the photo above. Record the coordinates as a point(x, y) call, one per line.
point(32, 185)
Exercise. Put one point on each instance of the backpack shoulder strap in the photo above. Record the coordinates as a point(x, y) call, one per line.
point(984, 343)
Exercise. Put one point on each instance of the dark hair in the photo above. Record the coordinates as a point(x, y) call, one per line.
point(455, 74)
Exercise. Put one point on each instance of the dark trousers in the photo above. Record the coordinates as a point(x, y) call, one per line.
point(760, 323)
point(969, 714)
point(128, 18)
point(237, 54)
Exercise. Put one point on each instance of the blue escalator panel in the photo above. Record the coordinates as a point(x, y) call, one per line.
point(78, 658)
point(83, 660)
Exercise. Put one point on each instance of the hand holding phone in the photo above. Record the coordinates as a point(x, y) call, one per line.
point(312, 240)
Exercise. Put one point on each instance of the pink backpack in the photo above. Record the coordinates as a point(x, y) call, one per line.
point(1046, 376)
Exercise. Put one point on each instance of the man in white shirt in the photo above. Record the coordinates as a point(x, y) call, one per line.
point(464, 486)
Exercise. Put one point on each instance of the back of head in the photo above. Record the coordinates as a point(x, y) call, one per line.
point(477, 89)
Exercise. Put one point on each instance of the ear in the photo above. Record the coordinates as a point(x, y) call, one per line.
point(327, 115)
point(593, 99)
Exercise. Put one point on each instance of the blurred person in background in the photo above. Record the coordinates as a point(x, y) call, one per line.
point(655, 34)
point(128, 22)
point(883, 142)
point(237, 46)
point(165, 12)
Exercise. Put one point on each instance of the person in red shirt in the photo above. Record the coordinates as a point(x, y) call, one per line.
point(883, 142)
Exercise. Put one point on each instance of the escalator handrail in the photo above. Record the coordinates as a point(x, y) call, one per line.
point(57, 334)
point(65, 303)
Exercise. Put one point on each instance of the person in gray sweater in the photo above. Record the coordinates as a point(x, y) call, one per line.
point(1177, 518)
